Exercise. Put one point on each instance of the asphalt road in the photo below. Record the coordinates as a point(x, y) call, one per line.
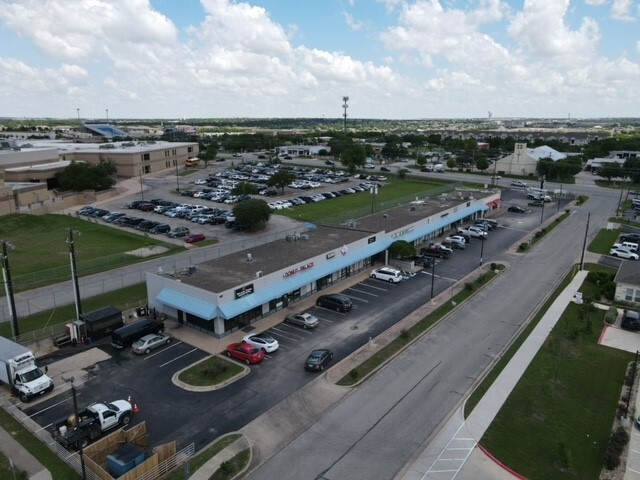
point(381, 425)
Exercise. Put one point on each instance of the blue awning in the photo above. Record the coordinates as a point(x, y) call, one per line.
point(180, 301)
point(442, 222)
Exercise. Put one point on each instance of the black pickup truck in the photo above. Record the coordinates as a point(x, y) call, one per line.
point(435, 251)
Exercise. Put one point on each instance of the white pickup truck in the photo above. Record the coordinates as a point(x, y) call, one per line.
point(91, 423)
point(474, 232)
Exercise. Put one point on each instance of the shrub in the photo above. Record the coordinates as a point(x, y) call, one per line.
point(611, 315)
point(468, 286)
point(523, 247)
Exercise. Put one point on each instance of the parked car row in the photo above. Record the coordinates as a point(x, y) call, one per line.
point(625, 247)
point(319, 197)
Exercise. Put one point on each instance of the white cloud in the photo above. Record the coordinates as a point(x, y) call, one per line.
point(540, 27)
point(352, 22)
point(621, 10)
point(89, 27)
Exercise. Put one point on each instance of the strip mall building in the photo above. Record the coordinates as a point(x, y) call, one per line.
point(226, 294)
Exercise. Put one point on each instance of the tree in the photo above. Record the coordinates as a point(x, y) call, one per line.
point(353, 158)
point(252, 214)
point(632, 169)
point(244, 188)
point(421, 160)
point(79, 176)
point(451, 163)
point(208, 152)
point(610, 170)
point(402, 249)
point(281, 179)
point(482, 163)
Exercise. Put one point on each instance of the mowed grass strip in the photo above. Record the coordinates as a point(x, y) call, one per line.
point(39, 253)
point(389, 192)
point(557, 421)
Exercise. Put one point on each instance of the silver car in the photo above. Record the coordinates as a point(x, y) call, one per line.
point(150, 342)
point(304, 320)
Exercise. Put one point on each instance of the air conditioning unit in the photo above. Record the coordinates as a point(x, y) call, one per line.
point(259, 274)
point(249, 257)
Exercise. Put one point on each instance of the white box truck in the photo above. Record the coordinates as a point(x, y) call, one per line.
point(19, 371)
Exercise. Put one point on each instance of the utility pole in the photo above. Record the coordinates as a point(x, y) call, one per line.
point(8, 286)
point(584, 244)
point(74, 275)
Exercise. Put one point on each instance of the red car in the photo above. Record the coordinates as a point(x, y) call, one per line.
point(245, 353)
point(194, 237)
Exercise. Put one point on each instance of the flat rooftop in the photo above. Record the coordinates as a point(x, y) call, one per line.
point(232, 270)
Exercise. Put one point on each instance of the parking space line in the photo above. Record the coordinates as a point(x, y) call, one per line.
point(291, 327)
point(160, 351)
point(367, 284)
point(365, 293)
point(178, 358)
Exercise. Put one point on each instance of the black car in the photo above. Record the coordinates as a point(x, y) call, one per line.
point(536, 203)
point(516, 209)
point(162, 228)
point(631, 320)
point(335, 301)
point(630, 237)
point(318, 359)
point(384, 169)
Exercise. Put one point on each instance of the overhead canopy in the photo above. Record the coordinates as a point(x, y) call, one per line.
point(186, 303)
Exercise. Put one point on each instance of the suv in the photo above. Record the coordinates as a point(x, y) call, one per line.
point(178, 232)
point(631, 320)
point(387, 274)
point(335, 301)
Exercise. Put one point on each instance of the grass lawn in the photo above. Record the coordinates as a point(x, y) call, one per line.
point(603, 241)
point(40, 254)
point(204, 456)
point(212, 371)
point(361, 202)
point(124, 299)
point(557, 421)
point(57, 467)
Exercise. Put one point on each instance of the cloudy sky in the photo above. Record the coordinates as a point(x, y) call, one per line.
point(394, 59)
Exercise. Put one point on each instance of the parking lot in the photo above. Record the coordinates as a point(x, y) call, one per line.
point(173, 413)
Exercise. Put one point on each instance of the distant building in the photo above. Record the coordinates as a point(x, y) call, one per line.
point(523, 160)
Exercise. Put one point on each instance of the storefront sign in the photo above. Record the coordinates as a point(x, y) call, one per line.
point(293, 271)
point(246, 290)
point(331, 255)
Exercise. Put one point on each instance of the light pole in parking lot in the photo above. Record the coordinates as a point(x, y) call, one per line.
point(542, 209)
point(177, 176)
point(433, 276)
point(481, 247)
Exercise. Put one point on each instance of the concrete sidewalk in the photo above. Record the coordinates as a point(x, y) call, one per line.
point(454, 452)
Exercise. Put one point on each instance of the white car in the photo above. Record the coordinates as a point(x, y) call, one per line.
point(519, 183)
point(387, 274)
point(621, 253)
point(264, 342)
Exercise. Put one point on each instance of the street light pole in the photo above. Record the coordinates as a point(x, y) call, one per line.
point(481, 249)
point(374, 191)
point(542, 209)
point(433, 276)
point(141, 188)
point(177, 176)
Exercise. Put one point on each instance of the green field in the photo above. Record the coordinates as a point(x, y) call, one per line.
point(38, 252)
point(557, 422)
point(392, 193)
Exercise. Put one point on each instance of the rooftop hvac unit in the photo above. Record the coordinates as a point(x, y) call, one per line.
point(249, 257)
point(304, 236)
point(259, 274)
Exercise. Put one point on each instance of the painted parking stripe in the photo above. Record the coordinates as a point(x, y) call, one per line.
point(364, 293)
